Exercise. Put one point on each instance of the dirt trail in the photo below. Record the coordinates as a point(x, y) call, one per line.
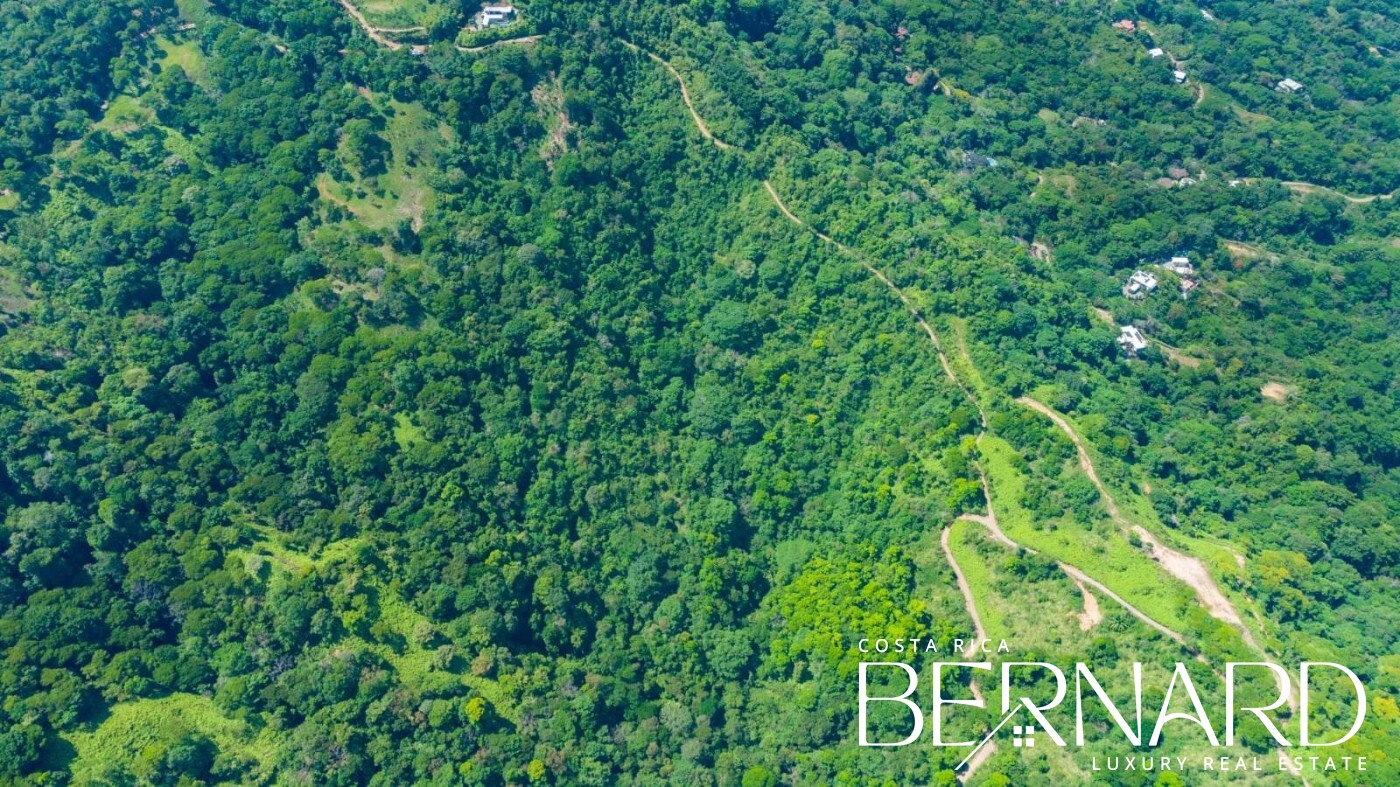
point(787, 212)
point(894, 288)
point(522, 40)
point(375, 34)
point(1092, 615)
point(981, 633)
point(1186, 568)
point(685, 95)
point(978, 629)
point(1303, 187)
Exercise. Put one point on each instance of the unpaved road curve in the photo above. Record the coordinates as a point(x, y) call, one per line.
point(1184, 567)
point(986, 751)
point(685, 95)
point(1092, 615)
point(1302, 187)
point(978, 629)
point(894, 288)
point(989, 521)
point(374, 33)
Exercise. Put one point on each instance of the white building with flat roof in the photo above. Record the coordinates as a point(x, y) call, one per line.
point(1131, 339)
point(495, 16)
point(1181, 266)
point(1139, 285)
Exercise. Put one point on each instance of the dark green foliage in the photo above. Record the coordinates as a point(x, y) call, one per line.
point(566, 457)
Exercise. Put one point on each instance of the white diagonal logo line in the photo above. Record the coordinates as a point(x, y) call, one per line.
point(979, 746)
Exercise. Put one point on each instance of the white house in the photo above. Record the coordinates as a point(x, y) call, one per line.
point(495, 16)
point(1288, 86)
point(1156, 51)
point(1139, 285)
point(1131, 339)
point(1181, 266)
point(1179, 76)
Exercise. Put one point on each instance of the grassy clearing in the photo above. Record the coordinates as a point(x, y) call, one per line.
point(13, 298)
point(138, 729)
point(978, 573)
point(1219, 558)
point(416, 142)
point(960, 358)
point(187, 56)
point(410, 648)
point(397, 13)
point(126, 115)
point(1103, 553)
point(406, 433)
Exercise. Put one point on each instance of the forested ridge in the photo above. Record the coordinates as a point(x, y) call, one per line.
point(456, 412)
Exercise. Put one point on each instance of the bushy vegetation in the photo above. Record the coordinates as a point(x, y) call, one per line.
point(380, 417)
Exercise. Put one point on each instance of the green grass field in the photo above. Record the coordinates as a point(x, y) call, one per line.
point(137, 731)
point(978, 573)
point(186, 55)
point(397, 14)
point(1104, 553)
point(416, 142)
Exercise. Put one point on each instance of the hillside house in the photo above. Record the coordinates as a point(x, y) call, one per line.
point(1181, 266)
point(1139, 285)
point(1131, 339)
point(1179, 76)
point(1288, 86)
point(1126, 25)
point(1156, 51)
point(495, 16)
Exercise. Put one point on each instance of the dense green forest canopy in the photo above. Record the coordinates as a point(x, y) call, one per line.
point(383, 414)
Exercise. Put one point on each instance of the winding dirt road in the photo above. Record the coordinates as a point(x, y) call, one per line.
point(685, 95)
point(1185, 568)
point(375, 34)
point(978, 629)
point(1192, 570)
point(894, 288)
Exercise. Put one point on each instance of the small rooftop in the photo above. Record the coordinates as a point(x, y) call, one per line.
point(1131, 339)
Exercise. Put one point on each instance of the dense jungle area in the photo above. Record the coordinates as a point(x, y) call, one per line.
point(392, 402)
